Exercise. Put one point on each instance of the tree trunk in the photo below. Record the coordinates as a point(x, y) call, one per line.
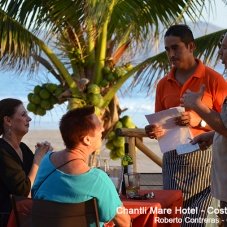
point(111, 115)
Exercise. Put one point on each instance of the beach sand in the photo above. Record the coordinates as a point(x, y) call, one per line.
point(144, 164)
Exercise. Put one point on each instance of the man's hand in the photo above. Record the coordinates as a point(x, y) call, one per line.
point(154, 131)
point(204, 140)
point(188, 118)
point(191, 99)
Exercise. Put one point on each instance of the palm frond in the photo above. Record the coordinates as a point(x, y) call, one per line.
point(139, 21)
point(140, 16)
point(131, 21)
point(48, 66)
point(20, 49)
point(119, 52)
point(17, 44)
point(208, 52)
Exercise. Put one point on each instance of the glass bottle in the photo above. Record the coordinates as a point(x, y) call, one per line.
point(127, 166)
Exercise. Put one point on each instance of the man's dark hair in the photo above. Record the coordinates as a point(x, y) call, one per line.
point(221, 39)
point(182, 31)
point(76, 124)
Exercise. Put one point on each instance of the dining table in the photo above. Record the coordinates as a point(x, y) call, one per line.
point(164, 209)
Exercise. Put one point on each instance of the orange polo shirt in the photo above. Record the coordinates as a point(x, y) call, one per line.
point(169, 91)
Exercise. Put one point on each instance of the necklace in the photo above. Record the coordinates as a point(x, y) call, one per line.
point(18, 150)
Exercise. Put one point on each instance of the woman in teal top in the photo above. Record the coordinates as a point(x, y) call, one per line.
point(62, 187)
point(81, 131)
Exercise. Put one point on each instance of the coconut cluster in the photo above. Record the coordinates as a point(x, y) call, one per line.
point(110, 76)
point(43, 98)
point(116, 143)
point(96, 92)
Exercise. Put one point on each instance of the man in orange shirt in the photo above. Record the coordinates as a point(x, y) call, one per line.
point(188, 172)
point(218, 137)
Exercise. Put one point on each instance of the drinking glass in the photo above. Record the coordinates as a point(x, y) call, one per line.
point(132, 184)
point(116, 175)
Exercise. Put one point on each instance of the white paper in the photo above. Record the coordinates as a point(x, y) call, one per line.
point(187, 148)
point(174, 134)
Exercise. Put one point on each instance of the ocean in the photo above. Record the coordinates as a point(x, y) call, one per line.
point(137, 102)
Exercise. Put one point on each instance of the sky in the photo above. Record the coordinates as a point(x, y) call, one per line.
point(218, 16)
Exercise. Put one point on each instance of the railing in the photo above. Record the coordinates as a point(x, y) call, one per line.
point(135, 139)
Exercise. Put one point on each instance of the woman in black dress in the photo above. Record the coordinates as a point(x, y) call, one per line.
point(18, 164)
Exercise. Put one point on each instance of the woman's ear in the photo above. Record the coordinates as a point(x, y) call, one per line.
point(7, 121)
point(86, 140)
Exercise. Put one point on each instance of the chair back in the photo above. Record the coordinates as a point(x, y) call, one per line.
point(41, 213)
point(21, 212)
point(55, 214)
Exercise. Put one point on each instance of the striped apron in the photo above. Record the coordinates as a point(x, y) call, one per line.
point(189, 173)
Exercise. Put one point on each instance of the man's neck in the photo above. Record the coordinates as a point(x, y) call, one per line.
point(183, 74)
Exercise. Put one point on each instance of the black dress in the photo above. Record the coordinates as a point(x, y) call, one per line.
point(13, 176)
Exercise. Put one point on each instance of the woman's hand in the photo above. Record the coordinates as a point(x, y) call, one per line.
point(41, 149)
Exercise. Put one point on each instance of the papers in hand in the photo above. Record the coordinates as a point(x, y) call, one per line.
point(175, 135)
point(187, 148)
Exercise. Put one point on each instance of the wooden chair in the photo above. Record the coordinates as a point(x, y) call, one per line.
point(21, 212)
point(54, 214)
